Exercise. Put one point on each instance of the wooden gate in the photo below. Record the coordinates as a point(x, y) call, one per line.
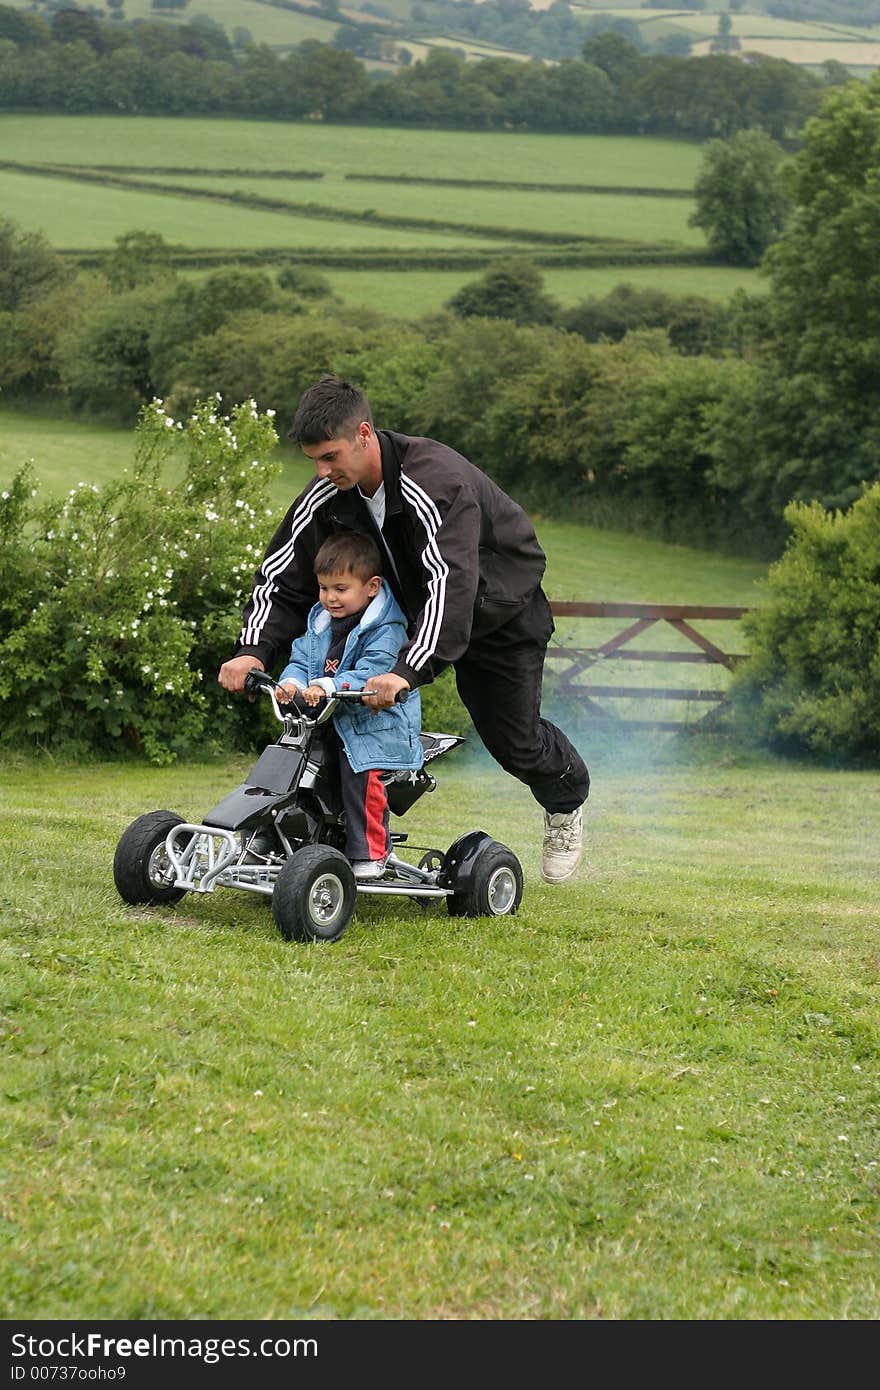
point(573, 664)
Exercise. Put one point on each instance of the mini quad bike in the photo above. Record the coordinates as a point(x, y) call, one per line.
point(281, 833)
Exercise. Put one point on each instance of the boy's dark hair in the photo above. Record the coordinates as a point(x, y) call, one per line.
point(350, 552)
point(331, 409)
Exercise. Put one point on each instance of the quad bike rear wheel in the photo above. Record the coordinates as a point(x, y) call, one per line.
point(314, 895)
point(141, 868)
point(493, 886)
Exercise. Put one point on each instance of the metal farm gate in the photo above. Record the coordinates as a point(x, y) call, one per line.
point(573, 663)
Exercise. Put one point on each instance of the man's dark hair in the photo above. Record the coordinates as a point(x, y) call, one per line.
point(349, 552)
point(331, 409)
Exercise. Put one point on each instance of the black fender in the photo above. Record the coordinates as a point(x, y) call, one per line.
point(460, 859)
point(269, 786)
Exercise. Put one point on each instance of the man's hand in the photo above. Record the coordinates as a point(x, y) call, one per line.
point(232, 673)
point(381, 690)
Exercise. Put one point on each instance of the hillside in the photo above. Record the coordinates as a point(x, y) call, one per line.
point(389, 33)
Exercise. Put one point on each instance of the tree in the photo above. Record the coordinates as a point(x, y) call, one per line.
point(512, 289)
point(73, 26)
point(138, 258)
point(24, 29)
point(693, 324)
point(826, 296)
point(29, 268)
point(812, 680)
point(103, 355)
point(725, 40)
point(304, 282)
point(614, 48)
point(741, 202)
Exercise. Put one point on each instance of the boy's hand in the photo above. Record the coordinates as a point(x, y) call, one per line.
point(381, 690)
point(314, 694)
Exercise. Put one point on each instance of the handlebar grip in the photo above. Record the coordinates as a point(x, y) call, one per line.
point(257, 680)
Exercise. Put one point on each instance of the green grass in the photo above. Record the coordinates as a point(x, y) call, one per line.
point(570, 214)
point(65, 452)
point(633, 162)
point(87, 216)
point(422, 291)
point(650, 1095)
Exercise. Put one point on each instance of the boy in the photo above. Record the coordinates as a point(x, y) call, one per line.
point(355, 631)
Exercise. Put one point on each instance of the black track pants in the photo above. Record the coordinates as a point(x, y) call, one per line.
point(365, 802)
point(499, 680)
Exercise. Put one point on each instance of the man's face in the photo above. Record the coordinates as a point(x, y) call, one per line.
point(346, 462)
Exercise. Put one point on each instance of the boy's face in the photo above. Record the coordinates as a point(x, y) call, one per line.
point(344, 594)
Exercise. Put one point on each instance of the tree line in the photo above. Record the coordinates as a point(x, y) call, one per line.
point(77, 64)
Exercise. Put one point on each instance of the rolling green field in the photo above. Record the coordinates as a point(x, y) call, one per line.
point(219, 143)
point(421, 218)
point(418, 292)
point(569, 214)
point(89, 217)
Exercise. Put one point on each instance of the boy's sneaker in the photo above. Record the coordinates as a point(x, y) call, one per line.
point(368, 868)
point(563, 844)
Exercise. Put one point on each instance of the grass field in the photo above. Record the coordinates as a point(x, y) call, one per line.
point(277, 27)
point(88, 216)
point(419, 292)
point(650, 1095)
point(220, 143)
point(569, 214)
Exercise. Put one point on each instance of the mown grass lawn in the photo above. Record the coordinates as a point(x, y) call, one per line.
point(652, 1094)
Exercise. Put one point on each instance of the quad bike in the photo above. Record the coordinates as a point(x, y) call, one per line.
point(281, 833)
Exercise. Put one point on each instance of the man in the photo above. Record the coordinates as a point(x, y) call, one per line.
point(463, 562)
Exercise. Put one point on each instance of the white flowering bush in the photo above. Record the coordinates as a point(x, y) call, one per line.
point(118, 604)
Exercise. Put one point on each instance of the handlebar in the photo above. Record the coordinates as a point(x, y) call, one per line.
point(257, 680)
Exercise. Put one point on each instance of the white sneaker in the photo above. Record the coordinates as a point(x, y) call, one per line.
point(563, 844)
point(368, 868)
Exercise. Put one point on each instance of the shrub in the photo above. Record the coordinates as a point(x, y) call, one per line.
point(442, 710)
point(812, 682)
point(119, 604)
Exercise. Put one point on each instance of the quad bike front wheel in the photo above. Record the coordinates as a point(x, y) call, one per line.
point(489, 881)
point(142, 870)
point(314, 895)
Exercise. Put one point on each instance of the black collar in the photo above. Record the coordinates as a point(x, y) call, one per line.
point(391, 451)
